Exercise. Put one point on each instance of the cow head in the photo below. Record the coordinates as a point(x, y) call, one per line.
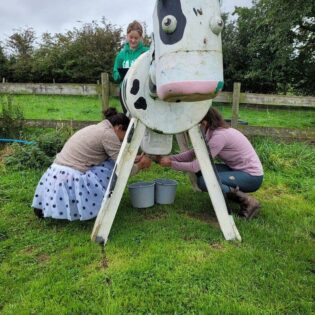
point(188, 62)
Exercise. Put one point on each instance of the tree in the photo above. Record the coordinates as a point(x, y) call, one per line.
point(290, 27)
point(21, 46)
point(235, 55)
point(270, 47)
point(92, 51)
point(80, 55)
point(44, 59)
point(146, 37)
point(301, 17)
point(3, 64)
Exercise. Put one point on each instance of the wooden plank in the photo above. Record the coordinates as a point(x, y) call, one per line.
point(278, 100)
point(49, 89)
point(224, 97)
point(95, 89)
point(226, 220)
point(113, 89)
point(268, 100)
point(105, 90)
point(289, 134)
point(57, 123)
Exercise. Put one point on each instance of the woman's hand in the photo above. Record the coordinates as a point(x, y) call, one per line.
point(143, 161)
point(139, 157)
point(165, 161)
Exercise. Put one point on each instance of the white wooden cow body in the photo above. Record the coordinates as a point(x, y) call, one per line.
point(169, 90)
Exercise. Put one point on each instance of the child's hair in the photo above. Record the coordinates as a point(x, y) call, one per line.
point(135, 26)
point(116, 118)
point(215, 119)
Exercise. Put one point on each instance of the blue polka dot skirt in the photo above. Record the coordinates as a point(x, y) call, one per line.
point(66, 193)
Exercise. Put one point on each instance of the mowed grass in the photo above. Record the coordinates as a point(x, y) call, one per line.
point(54, 107)
point(272, 116)
point(89, 108)
point(166, 259)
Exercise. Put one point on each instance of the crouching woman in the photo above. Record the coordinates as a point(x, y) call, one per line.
point(240, 170)
point(73, 187)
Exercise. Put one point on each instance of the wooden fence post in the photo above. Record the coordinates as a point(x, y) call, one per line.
point(236, 103)
point(3, 80)
point(105, 90)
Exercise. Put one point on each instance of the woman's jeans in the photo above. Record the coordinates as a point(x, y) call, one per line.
point(231, 178)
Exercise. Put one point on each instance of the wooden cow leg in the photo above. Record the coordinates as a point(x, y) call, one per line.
point(226, 221)
point(118, 181)
point(183, 146)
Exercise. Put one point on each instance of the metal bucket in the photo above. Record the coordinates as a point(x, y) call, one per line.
point(142, 194)
point(165, 191)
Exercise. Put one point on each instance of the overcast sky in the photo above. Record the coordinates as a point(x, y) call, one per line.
point(58, 16)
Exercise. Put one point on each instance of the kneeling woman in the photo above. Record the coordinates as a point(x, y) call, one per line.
point(73, 187)
point(241, 170)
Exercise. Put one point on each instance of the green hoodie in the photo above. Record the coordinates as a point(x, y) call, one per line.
point(126, 57)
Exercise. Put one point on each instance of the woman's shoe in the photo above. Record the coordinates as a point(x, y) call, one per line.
point(249, 206)
point(39, 213)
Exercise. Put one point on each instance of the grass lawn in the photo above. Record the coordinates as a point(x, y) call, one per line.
point(165, 259)
point(89, 108)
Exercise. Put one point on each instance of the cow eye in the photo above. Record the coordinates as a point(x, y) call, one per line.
point(169, 24)
point(217, 25)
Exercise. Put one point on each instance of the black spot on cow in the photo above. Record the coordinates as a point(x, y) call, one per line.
point(171, 7)
point(135, 87)
point(141, 103)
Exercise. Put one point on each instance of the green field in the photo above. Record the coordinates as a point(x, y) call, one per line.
point(165, 259)
point(89, 108)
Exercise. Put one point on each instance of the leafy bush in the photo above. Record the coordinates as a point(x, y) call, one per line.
point(52, 143)
point(29, 156)
point(38, 155)
point(12, 118)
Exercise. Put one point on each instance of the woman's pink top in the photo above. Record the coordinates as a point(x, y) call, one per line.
point(228, 144)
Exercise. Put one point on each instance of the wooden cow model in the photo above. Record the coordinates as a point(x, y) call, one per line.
point(168, 90)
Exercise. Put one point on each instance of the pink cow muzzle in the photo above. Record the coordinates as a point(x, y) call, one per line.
point(189, 76)
point(189, 91)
